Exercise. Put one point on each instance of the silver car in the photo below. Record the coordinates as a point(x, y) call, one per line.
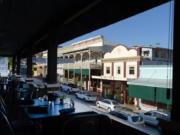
point(150, 117)
point(107, 104)
point(131, 117)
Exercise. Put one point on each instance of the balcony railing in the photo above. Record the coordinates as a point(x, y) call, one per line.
point(109, 78)
point(83, 65)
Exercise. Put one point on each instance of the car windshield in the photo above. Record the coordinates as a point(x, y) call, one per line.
point(148, 113)
point(135, 118)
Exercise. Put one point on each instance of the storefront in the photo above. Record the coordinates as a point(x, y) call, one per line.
point(151, 96)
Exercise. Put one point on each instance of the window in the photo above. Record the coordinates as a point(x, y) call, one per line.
point(118, 70)
point(107, 70)
point(146, 53)
point(131, 70)
point(107, 102)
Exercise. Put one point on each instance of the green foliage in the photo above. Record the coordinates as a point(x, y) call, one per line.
point(109, 92)
point(119, 95)
point(10, 62)
point(63, 97)
point(130, 100)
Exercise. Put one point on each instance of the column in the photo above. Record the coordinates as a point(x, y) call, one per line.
point(18, 65)
point(29, 66)
point(81, 72)
point(124, 69)
point(68, 68)
point(13, 64)
point(176, 66)
point(52, 65)
point(112, 69)
point(74, 69)
point(89, 84)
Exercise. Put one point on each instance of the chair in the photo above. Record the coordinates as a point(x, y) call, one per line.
point(54, 125)
point(18, 126)
point(5, 126)
point(3, 106)
point(87, 124)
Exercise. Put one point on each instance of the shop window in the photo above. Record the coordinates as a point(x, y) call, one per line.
point(118, 70)
point(131, 70)
point(107, 70)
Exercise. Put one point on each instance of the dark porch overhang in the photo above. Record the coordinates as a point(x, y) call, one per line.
point(28, 27)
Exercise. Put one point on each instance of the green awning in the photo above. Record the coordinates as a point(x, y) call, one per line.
point(65, 69)
point(143, 92)
point(164, 95)
point(71, 70)
point(85, 71)
point(77, 71)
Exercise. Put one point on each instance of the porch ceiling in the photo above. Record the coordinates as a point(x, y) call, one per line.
point(31, 26)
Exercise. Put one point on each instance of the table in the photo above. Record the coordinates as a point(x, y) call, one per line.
point(52, 109)
point(29, 80)
point(52, 88)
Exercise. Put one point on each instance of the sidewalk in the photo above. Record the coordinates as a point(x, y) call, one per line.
point(132, 107)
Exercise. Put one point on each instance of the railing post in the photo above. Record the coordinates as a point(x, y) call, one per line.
point(89, 84)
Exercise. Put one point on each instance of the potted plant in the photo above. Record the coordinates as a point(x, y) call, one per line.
point(62, 99)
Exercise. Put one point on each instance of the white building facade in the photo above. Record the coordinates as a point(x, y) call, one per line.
point(118, 65)
point(82, 60)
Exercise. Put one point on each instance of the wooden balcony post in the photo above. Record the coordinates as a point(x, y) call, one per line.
point(89, 84)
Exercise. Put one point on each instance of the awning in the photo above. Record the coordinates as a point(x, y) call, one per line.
point(69, 70)
point(164, 95)
point(77, 71)
point(85, 71)
point(143, 92)
point(151, 82)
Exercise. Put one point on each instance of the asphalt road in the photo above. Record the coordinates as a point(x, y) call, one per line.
point(82, 106)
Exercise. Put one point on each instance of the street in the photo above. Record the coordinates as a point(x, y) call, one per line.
point(82, 106)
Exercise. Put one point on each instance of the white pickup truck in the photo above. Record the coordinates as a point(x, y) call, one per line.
point(69, 87)
point(85, 96)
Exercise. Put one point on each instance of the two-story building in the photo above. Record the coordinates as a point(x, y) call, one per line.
point(123, 63)
point(153, 88)
point(152, 55)
point(118, 65)
point(82, 60)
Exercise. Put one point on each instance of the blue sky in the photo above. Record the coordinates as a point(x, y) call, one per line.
point(147, 28)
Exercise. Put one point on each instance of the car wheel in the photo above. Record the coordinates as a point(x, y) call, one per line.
point(109, 109)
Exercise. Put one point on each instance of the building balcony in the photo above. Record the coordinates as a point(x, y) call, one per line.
point(83, 65)
point(109, 78)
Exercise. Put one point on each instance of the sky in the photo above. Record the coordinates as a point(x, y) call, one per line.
point(152, 27)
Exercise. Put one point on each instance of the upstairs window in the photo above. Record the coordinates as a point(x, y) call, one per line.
point(146, 53)
point(131, 70)
point(118, 70)
point(107, 70)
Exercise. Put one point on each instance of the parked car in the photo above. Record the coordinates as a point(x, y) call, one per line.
point(150, 117)
point(69, 87)
point(108, 104)
point(131, 117)
point(85, 96)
